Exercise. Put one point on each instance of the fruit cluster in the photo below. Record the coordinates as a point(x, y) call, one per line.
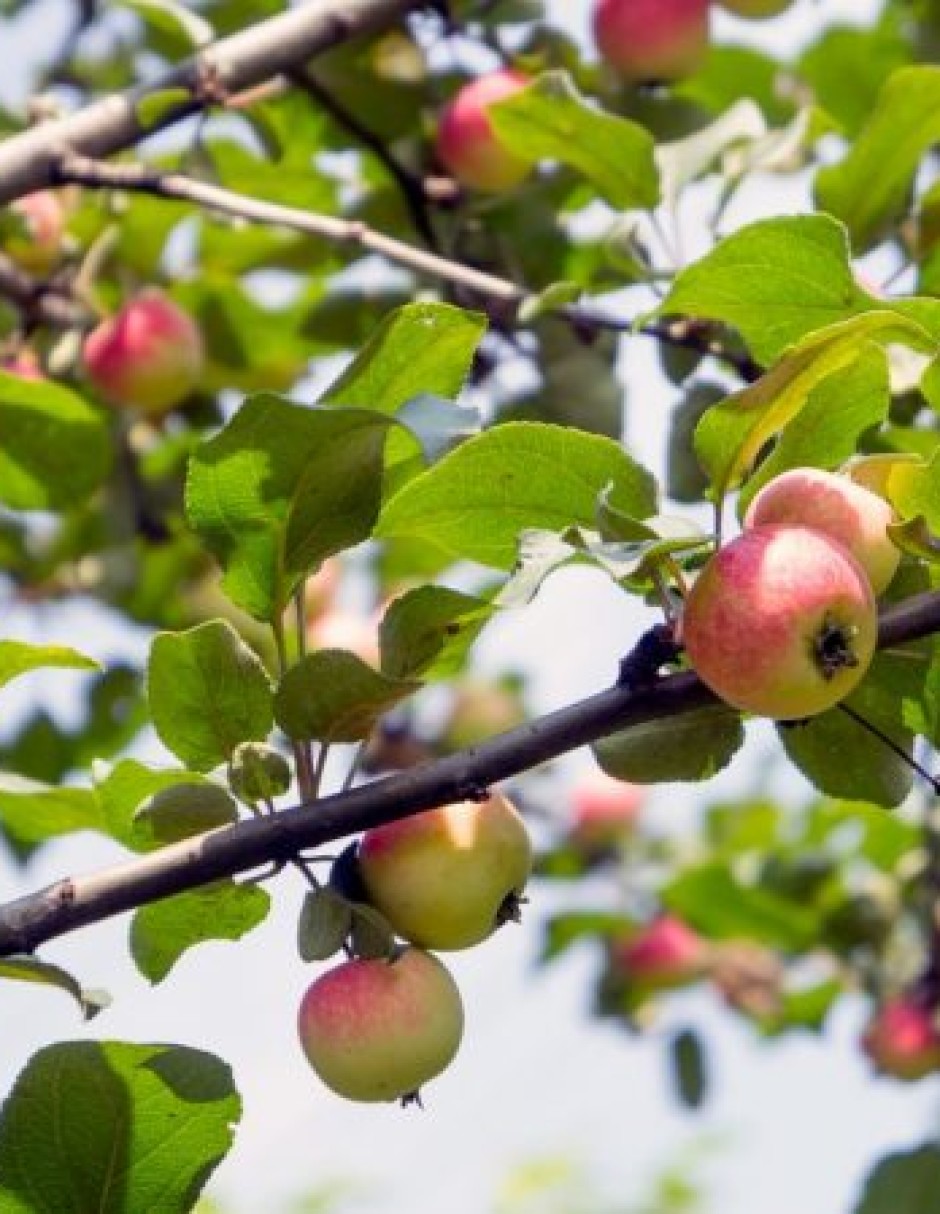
point(378, 1027)
point(782, 621)
point(644, 41)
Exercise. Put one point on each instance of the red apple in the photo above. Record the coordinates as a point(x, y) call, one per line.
point(447, 878)
point(603, 809)
point(340, 629)
point(840, 508)
point(652, 40)
point(43, 217)
point(756, 8)
point(467, 144)
point(377, 1030)
point(665, 953)
point(902, 1040)
point(149, 356)
point(781, 622)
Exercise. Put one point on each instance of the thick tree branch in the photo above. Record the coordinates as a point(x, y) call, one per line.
point(229, 66)
point(75, 902)
point(500, 294)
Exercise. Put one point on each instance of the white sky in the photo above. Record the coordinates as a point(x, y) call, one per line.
point(798, 1123)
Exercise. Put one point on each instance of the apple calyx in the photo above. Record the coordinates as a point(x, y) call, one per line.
point(833, 649)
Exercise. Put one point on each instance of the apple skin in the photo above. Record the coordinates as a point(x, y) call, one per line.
point(840, 508)
point(149, 356)
point(756, 9)
point(902, 1040)
point(665, 953)
point(603, 809)
point(467, 145)
point(781, 622)
point(43, 216)
point(377, 1030)
point(448, 878)
point(652, 40)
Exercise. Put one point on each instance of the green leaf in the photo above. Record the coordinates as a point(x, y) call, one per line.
point(115, 1128)
point(208, 692)
point(333, 696)
point(175, 20)
point(31, 969)
point(161, 932)
point(689, 1068)
point(19, 657)
point(693, 746)
point(420, 349)
point(33, 812)
point(184, 810)
point(124, 788)
point(325, 922)
point(774, 281)
point(427, 632)
point(732, 433)
point(562, 931)
point(870, 188)
point(55, 449)
point(550, 120)
point(825, 433)
point(906, 1182)
point(723, 908)
point(280, 489)
point(476, 501)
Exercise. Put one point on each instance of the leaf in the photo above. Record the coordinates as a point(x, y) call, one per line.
point(280, 489)
point(19, 657)
point(173, 19)
point(683, 160)
point(33, 812)
point(732, 433)
point(825, 433)
point(55, 449)
point(184, 810)
point(208, 692)
point(423, 349)
point(774, 281)
point(693, 746)
point(689, 1068)
point(124, 789)
point(475, 502)
point(115, 1128)
point(722, 908)
point(540, 554)
point(333, 696)
point(325, 922)
point(162, 931)
point(31, 969)
point(427, 632)
point(871, 186)
point(906, 1182)
point(563, 930)
point(550, 120)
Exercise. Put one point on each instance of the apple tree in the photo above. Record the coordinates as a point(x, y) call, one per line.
point(302, 305)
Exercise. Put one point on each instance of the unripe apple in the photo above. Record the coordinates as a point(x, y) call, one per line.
point(468, 146)
point(43, 218)
point(902, 1040)
point(149, 356)
point(781, 622)
point(756, 8)
point(652, 40)
point(840, 508)
point(447, 878)
point(603, 809)
point(379, 1029)
point(665, 953)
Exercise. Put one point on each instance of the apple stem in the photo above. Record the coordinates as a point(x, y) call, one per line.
point(893, 746)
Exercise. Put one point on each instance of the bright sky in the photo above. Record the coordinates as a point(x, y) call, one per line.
point(797, 1124)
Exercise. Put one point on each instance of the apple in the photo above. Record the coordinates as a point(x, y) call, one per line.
point(756, 8)
point(340, 629)
point(902, 1040)
point(665, 953)
point(467, 145)
point(480, 710)
point(42, 216)
point(321, 589)
point(449, 877)
point(603, 809)
point(840, 508)
point(652, 40)
point(781, 622)
point(149, 356)
point(378, 1029)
